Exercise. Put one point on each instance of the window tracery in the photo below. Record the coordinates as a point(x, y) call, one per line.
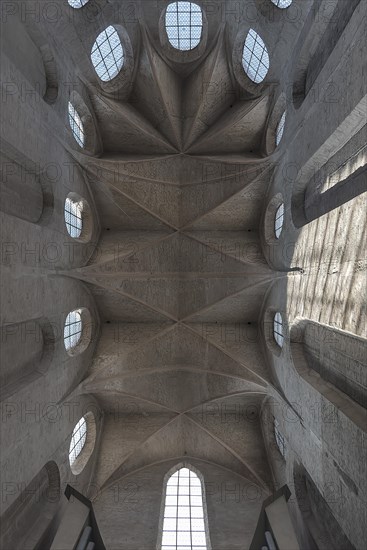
point(184, 25)
point(76, 125)
point(72, 329)
point(255, 57)
point(107, 54)
point(184, 520)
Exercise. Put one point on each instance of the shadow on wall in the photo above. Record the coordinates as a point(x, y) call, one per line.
point(21, 178)
point(27, 350)
point(324, 531)
point(323, 28)
point(312, 204)
point(338, 357)
point(49, 64)
point(28, 520)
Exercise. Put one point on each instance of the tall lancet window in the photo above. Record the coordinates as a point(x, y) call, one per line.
point(184, 514)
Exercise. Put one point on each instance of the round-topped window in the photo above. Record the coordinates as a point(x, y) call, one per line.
point(82, 442)
point(184, 516)
point(78, 329)
point(184, 25)
point(72, 329)
point(73, 217)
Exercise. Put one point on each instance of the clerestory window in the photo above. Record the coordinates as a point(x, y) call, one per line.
point(107, 54)
point(255, 57)
point(184, 25)
point(73, 217)
point(279, 220)
point(76, 125)
point(78, 440)
point(72, 329)
point(278, 329)
point(279, 438)
point(280, 129)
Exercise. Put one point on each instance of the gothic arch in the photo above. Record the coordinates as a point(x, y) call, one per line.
point(167, 477)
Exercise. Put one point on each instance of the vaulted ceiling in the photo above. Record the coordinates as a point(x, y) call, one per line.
point(178, 265)
point(179, 276)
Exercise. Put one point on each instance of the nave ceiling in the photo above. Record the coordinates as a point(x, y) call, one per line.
point(178, 275)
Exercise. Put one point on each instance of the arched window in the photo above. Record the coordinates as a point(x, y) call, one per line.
point(77, 3)
point(279, 220)
point(279, 438)
point(107, 54)
point(184, 25)
point(184, 519)
point(278, 329)
point(282, 3)
point(76, 125)
point(78, 440)
point(255, 57)
point(280, 129)
point(73, 217)
point(72, 329)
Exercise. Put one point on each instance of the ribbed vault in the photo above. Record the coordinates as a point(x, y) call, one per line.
point(194, 229)
point(178, 275)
